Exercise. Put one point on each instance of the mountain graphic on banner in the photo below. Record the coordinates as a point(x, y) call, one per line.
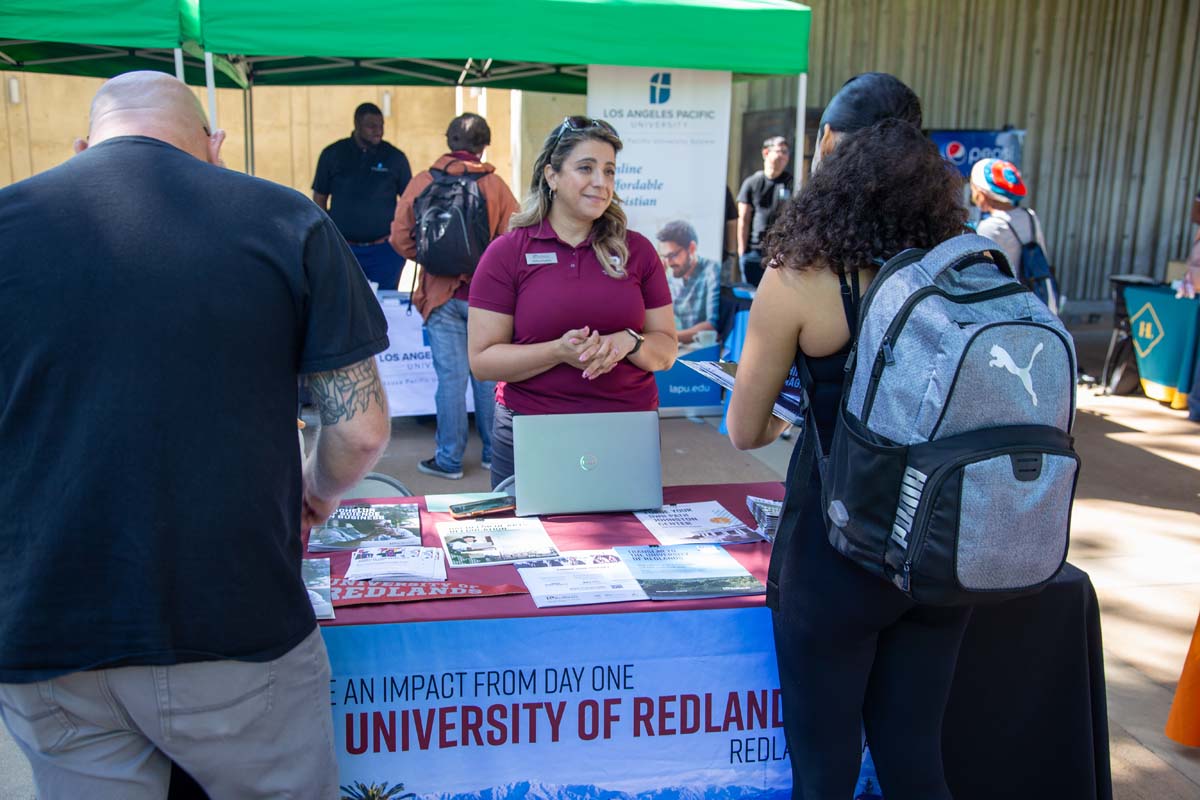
point(527, 790)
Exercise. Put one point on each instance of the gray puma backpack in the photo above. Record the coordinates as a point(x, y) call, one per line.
point(952, 469)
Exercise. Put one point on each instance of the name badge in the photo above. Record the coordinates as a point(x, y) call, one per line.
point(541, 258)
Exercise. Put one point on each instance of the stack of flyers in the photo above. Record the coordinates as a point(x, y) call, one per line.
point(766, 514)
point(315, 573)
point(363, 525)
point(697, 523)
point(397, 564)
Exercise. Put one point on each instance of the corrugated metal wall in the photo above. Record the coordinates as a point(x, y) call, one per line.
point(1107, 90)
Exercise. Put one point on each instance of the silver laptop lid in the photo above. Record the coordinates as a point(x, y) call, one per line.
point(578, 463)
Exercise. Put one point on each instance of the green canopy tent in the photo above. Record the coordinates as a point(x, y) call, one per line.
point(535, 45)
point(102, 38)
point(539, 45)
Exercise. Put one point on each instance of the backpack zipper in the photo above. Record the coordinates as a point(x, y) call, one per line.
point(933, 488)
point(885, 356)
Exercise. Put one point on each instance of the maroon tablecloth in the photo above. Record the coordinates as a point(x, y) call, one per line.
point(569, 532)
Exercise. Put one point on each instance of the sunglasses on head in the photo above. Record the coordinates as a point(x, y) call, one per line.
point(578, 122)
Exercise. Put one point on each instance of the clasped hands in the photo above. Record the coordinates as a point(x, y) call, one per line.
point(587, 350)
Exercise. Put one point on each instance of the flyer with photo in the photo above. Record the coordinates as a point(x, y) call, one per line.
point(688, 571)
point(579, 577)
point(315, 574)
point(363, 525)
point(481, 542)
point(697, 523)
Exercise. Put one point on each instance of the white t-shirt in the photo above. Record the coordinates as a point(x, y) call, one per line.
point(1021, 220)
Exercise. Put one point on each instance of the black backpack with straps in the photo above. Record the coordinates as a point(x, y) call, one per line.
point(451, 228)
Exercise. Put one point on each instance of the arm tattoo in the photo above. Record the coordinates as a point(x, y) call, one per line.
point(342, 393)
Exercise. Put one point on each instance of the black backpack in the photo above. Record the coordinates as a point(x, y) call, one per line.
point(451, 223)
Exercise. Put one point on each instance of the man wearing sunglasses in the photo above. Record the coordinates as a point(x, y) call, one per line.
point(695, 282)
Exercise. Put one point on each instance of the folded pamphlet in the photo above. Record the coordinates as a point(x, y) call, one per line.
point(790, 404)
point(315, 574)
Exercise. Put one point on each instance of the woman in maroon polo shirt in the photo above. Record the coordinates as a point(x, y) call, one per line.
point(570, 311)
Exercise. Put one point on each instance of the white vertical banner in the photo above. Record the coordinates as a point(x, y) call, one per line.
point(674, 124)
point(675, 127)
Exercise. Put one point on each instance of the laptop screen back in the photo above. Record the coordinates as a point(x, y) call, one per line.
point(580, 463)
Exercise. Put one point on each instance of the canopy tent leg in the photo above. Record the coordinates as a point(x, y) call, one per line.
point(801, 146)
point(179, 64)
point(248, 121)
point(211, 80)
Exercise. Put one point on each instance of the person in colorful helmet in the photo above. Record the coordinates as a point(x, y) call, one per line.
point(997, 190)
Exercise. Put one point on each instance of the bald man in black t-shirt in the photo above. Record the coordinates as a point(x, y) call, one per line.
point(153, 609)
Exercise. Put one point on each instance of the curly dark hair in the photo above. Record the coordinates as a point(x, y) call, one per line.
point(884, 189)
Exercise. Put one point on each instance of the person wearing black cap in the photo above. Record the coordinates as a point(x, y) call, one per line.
point(861, 102)
point(852, 650)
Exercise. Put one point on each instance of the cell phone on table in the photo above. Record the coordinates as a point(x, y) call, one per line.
point(481, 508)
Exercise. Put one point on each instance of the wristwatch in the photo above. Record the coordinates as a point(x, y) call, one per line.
point(637, 341)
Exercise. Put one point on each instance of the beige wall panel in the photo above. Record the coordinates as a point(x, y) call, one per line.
point(57, 113)
point(6, 149)
point(275, 138)
point(541, 113)
point(20, 158)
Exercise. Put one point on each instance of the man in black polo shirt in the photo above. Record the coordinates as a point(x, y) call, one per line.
point(358, 180)
point(152, 607)
point(761, 197)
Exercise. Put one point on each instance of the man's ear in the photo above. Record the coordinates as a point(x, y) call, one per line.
point(214, 147)
point(79, 145)
point(691, 249)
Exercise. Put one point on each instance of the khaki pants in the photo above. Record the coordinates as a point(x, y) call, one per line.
point(242, 729)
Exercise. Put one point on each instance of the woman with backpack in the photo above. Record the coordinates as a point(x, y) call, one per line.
point(853, 650)
point(570, 311)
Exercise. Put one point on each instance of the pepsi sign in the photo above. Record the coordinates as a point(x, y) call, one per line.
point(964, 148)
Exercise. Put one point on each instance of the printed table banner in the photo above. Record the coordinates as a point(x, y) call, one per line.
point(652, 705)
point(1166, 338)
point(674, 124)
point(406, 367)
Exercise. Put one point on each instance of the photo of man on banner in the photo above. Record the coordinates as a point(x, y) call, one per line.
point(695, 283)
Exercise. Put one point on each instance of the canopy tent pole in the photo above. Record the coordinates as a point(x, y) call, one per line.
point(800, 144)
point(211, 80)
point(248, 121)
point(179, 64)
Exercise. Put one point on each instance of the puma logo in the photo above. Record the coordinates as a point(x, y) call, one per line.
point(1001, 358)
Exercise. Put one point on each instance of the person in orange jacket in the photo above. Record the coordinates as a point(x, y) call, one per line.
point(442, 299)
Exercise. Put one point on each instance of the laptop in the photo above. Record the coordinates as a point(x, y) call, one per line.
point(582, 463)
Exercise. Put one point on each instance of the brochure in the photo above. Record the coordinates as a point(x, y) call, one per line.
point(397, 564)
point(440, 503)
point(697, 523)
point(579, 577)
point(766, 514)
point(480, 542)
point(364, 525)
point(688, 571)
point(789, 405)
point(315, 573)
